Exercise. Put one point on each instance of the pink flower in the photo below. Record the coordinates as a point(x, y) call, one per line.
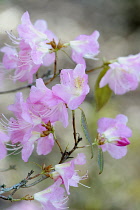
point(35, 120)
point(21, 62)
point(44, 104)
point(53, 197)
point(133, 61)
point(123, 75)
point(85, 46)
point(113, 135)
point(67, 173)
point(44, 144)
point(29, 128)
point(38, 37)
point(10, 57)
point(26, 68)
point(73, 88)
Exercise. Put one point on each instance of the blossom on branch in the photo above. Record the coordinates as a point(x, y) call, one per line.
point(85, 46)
point(10, 57)
point(53, 197)
point(35, 119)
point(35, 46)
point(68, 174)
point(45, 104)
point(28, 128)
point(74, 86)
point(20, 61)
point(123, 75)
point(113, 135)
point(38, 37)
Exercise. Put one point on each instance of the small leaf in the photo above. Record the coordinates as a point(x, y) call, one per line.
point(100, 160)
point(85, 129)
point(102, 95)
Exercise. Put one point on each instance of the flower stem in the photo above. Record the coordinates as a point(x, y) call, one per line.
point(96, 68)
point(57, 142)
point(55, 64)
point(73, 123)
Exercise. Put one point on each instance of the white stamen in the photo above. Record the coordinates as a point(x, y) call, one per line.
point(13, 38)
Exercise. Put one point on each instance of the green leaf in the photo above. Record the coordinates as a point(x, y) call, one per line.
point(102, 95)
point(100, 160)
point(85, 130)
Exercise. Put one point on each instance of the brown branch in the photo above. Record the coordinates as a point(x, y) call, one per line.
point(73, 123)
point(66, 154)
point(55, 64)
point(57, 142)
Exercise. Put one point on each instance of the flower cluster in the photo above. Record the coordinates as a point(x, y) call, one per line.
point(36, 45)
point(64, 174)
point(35, 117)
point(113, 135)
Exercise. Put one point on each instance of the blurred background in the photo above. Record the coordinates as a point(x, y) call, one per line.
point(118, 187)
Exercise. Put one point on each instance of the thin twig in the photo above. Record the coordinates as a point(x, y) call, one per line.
point(44, 77)
point(57, 142)
point(73, 123)
point(17, 89)
point(55, 64)
point(66, 154)
point(96, 68)
point(36, 182)
point(17, 186)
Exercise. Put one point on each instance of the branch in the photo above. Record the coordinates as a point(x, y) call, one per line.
point(96, 68)
point(73, 123)
point(46, 76)
point(16, 186)
point(21, 184)
point(17, 89)
point(66, 154)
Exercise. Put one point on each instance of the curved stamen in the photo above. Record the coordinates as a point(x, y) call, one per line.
point(13, 38)
point(18, 76)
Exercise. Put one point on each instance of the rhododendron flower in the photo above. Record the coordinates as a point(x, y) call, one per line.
point(35, 120)
point(21, 62)
point(113, 135)
point(53, 197)
point(44, 104)
point(73, 88)
point(27, 134)
point(85, 46)
point(123, 75)
point(39, 38)
point(26, 68)
point(67, 173)
point(133, 61)
point(10, 57)
point(28, 128)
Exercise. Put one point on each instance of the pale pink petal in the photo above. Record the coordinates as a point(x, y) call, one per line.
point(115, 151)
point(45, 145)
